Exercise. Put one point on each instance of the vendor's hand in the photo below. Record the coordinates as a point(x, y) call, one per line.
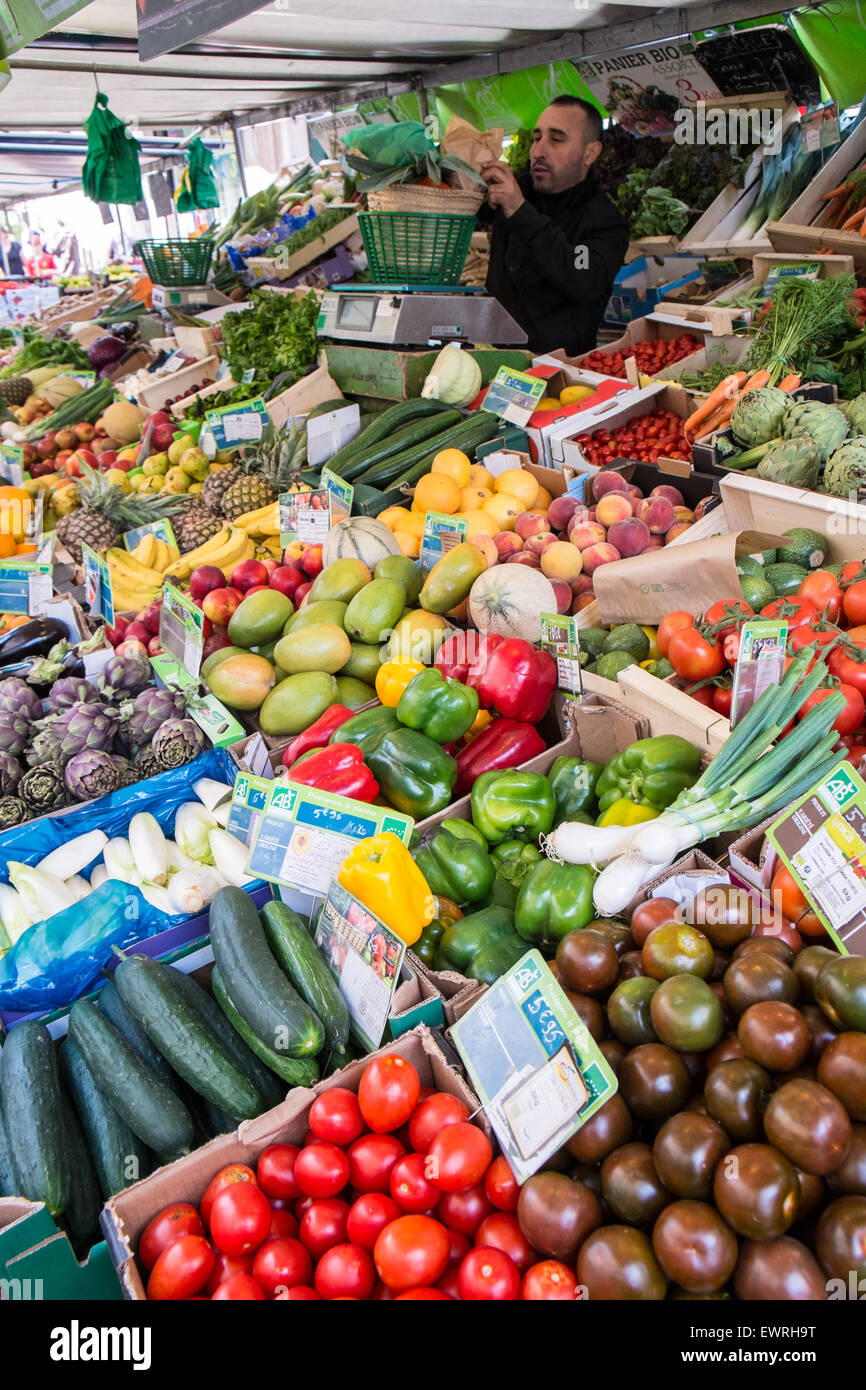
point(503, 190)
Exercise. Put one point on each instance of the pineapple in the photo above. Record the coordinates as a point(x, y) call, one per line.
point(16, 390)
point(105, 511)
point(196, 526)
point(266, 474)
point(217, 484)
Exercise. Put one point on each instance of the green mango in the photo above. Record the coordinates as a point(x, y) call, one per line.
point(404, 569)
point(342, 580)
point(297, 702)
point(326, 611)
point(259, 618)
point(364, 662)
point(216, 657)
point(373, 613)
point(353, 693)
point(317, 647)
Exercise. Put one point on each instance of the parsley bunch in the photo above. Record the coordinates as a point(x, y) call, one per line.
point(275, 336)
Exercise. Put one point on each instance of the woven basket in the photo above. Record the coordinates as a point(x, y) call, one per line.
point(413, 197)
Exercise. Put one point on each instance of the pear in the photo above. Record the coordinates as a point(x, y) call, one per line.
point(195, 463)
point(156, 465)
point(178, 447)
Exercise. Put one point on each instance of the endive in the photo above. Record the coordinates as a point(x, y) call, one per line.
point(71, 858)
point(119, 861)
point(192, 826)
point(13, 913)
point(147, 843)
point(230, 856)
point(190, 890)
point(41, 893)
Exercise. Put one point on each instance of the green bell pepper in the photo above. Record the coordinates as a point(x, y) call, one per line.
point(463, 830)
point(441, 707)
point(415, 775)
point(514, 859)
point(554, 900)
point(574, 782)
point(512, 805)
point(502, 894)
point(367, 728)
point(456, 869)
point(492, 961)
point(427, 945)
point(652, 772)
point(462, 941)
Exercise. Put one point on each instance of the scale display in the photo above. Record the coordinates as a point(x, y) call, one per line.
point(356, 311)
point(420, 316)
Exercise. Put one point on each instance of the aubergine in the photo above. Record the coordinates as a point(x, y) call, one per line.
point(23, 645)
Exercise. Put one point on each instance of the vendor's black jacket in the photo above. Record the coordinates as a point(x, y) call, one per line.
point(533, 259)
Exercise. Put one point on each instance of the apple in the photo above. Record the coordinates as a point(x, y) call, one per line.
point(301, 592)
point(270, 565)
point(204, 578)
point(125, 465)
point(161, 437)
point(215, 643)
point(128, 647)
point(256, 589)
point(295, 551)
point(248, 574)
point(108, 459)
point(151, 615)
point(61, 459)
point(312, 561)
point(137, 632)
point(117, 633)
point(286, 579)
point(84, 432)
point(219, 604)
point(82, 457)
point(46, 447)
point(155, 647)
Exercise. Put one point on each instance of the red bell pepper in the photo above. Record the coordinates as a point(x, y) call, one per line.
point(339, 768)
point(318, 735)
point(458, 654)
point(513, 677)
point(504, 743)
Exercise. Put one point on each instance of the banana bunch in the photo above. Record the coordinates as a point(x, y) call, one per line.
point(228, 548)
point(155, 553)
point(133, 585)
point(263, 522)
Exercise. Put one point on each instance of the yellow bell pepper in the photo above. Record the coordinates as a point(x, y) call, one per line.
point(393, 677)
point(382, 874)
point(482, 719)
point(624, 811)
point(652, 634)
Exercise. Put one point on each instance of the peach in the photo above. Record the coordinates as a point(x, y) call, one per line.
point(703, 507)
point(601, 554)
point(593, 511)
point(539, 544)
point(605, 482)
point(656, 542)
point(591, 534)
point(564, 595)
point(684, 514)
point(580, 518)
point(658, 514)
point(507, 544)
point(561, 510)
point(581, 583)
point(673, 494)
point(487, 547)
point(678, 530)
point(530, 524)
point(525, 557)
point(583, 601)
point(636, 492)
point(562, 560)
point(613, 507)
point(629, 537)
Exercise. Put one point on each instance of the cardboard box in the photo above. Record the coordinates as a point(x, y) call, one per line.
point(755, 504)
point(659, 395)
point(181, 383)
point(670, 711)
point(752, 857)
point(705, 455)
point(695, 864)
point(37, 1262)
point(272, 268)
point(699, 292)
point(639, 287)
point(315, 388)
point(125, 1215)
point(546, 428)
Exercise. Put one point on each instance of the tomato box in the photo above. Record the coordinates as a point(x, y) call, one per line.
point(546, 426)
point(37, 1262)
point(681, 880)
point(125, 1215)
point(595, 444)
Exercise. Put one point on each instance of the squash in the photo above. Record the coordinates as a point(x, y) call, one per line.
point(454, 378)
point(509, 600)
point(359, 538)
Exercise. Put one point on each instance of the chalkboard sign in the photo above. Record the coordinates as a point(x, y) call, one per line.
point(760, 60)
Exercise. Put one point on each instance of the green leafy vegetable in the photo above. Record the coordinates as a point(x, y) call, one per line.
point(276, 336)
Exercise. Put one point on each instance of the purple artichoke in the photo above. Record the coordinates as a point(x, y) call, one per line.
point(144, 715)
point(84, 726)
point(70, 690)
point(125, 675)
point(10, 775)
point(92, 773)
point(15, 730)
point(17, 697)
point(42, 789)
point(176, 742)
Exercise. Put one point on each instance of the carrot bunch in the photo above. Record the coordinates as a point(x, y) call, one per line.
point(715, 412)
point(845, 209)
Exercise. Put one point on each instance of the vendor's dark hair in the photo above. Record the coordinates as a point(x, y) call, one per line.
point(591, 112)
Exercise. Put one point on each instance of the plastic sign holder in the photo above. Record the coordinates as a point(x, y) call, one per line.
point(97, 584)
point(309, 516)
point(514, 396)
point(441, 534)
point(234, 425)
point(559, 637)
point(366, 956)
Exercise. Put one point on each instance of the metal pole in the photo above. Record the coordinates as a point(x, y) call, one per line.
point(240, 160)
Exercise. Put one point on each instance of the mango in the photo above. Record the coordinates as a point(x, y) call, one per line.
point(418, 635)
point(318, 647)
point(242, 682)
point(222, 654)
point(342, 580)
point(354, 693)
point(404, 569)
point(259, 618)
point(297, 702)
point(374, 610)
point(364, 662)
point(450, 580)
point(325, 611)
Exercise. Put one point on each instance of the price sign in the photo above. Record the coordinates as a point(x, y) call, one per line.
point(12, 463)
point(25, 587)
point(539, 1073)
point(304, 835)
point(249, 799)
point(822, 841)
point(559, 637)
point(97, 584)
point(441, 534)
point(84, 379)
point(366, 956)
point(760, 664)
point(162, 529)
point(243, 423)
point(513, 396)
point(309, 516)
point(181, 629)
point(213, 719)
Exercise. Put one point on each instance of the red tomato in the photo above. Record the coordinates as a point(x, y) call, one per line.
point(345, 1271)
point(170, 1224)
point(321, 1170)
point(335, 1117)
point(786, 896)
point(822, 589)
point(459, 1246)
point(182, 1269)
point(411, 1253)
point(235, 1172)
point(502, 1232)
point(704, 696)
point(693, 657)
point(411, 1189)
point(302, 1206)
point(811, 636)
point(488, 1274)
point(547, 1282)
point(324, 1225)
point(722, 695)
point(300, 1293)
point(674, 622)
point(388, 1093)
point(275, 1171)
point(448, 1284)
point(464, 1211)
point(225, 1266)
point(240, 1287)
point(460, 1156)
point(852, 715)
point(847, 668)
point(371, 1159)
point(500, 1185)
point(368, 1216)
point(728, 614)
point(240, 1218)
point(283, 1223)
point(422, 1295)
point(282, 1263)
point(797, 612)
point(433, 1114)
point(854, 602)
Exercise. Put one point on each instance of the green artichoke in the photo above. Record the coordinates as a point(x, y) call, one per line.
point(856, 413)
point(176, 742)
point(44, 747)
point(758, 416)
point(824, 423)
point(12, 812)
point(147, 764)
point(42, 788)
point(795, 462)
point(91, 773)
point(10, 774)
point(845, 472)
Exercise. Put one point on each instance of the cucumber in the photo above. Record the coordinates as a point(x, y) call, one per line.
point(119, 1157)
point(338, 1059)
point(218, 1120)
point(81, 1215)
point(390, 468)
point(110, 1003)
point(307, 969)
point(149, 1107)
point(379, 456)
point(264, 1081)
point(483, 427)
point(152, 994)
point(259, 990)
point(354, 454)
point(8, 1180)
point(296, 1071)
point(30, 1090)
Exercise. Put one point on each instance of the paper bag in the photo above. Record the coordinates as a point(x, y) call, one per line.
point(647, 587)
point(475, 147)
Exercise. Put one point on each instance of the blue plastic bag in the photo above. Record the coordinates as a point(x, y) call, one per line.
point(54, 962)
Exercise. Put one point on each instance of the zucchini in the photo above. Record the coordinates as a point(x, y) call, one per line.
point(119, 1157)
point(30, 1090)
point(81, 1216)
point(296, 1071)
point(382, 427)
point(413, 433)
point(307, 969)
point(262, 995)
point(110, 1003)
point(150, 991)
point(8, 1180)
point(149, 1107)
point(261, 1077)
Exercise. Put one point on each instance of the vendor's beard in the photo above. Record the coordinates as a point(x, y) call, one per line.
point(546, 182)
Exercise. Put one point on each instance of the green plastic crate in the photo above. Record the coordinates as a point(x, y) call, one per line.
point(177, 260)
point(416, 248)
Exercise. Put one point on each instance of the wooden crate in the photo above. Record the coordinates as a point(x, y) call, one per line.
point(756, 504)
point(270, 268)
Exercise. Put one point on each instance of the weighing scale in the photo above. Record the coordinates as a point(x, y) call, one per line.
point(186, 297)
point(415, 316)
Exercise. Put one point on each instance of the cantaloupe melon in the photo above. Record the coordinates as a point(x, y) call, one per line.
point(123, 421)
point(509, 599)
point(58, 390)
point(359, 537)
